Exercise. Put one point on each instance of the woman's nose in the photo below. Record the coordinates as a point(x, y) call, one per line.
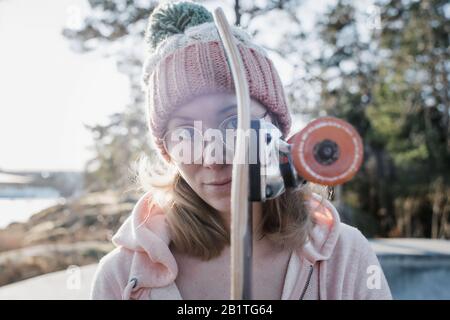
point(214, 155)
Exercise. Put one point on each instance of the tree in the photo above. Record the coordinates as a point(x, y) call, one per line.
point(411, 113)
point(116, 27)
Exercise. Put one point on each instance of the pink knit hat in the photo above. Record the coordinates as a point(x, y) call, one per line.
point(186, 59)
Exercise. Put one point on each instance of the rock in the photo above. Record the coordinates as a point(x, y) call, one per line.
point(32, 261)
point(72, 232)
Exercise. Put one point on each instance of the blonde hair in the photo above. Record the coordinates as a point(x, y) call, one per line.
point(199, 230)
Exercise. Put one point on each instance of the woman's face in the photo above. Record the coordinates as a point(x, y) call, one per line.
point(210, 180)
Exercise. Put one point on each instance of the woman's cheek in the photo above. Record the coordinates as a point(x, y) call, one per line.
point(189, 173)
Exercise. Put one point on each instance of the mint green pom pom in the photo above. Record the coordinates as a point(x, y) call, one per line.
point(173, 18)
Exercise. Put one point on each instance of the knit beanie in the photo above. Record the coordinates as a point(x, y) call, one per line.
point(185, 59)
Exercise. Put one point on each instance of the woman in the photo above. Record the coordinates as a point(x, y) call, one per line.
point(175, 244)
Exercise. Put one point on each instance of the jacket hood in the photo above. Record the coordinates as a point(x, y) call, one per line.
point(323, 236)
point(146, 233)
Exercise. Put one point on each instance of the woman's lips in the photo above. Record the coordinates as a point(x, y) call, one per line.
point(218, 183)
point(219, 186)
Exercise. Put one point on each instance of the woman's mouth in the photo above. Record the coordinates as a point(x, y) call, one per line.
point(217, 186)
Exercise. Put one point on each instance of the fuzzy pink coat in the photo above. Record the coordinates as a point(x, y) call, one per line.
point(336, 263)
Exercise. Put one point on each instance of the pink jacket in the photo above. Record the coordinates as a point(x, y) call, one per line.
point(336, 263)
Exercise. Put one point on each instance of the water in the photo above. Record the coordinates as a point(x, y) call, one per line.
point(21, 209)
point(418, 276)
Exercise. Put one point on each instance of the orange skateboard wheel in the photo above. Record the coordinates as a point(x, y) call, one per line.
point(328, 151)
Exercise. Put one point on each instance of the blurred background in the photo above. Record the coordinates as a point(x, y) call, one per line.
point(72, 126)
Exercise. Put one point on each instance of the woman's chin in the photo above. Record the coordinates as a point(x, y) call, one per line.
point(222, 204)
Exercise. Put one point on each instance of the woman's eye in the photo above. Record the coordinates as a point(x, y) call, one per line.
point(185, 133)
point(232, 123)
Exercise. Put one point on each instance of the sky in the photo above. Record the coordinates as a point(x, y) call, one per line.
point(48, 92)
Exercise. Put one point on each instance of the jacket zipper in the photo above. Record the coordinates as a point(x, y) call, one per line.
point(308, 280)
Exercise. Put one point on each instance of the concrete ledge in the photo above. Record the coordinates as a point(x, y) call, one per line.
point(411, 246)
point(52, 286)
